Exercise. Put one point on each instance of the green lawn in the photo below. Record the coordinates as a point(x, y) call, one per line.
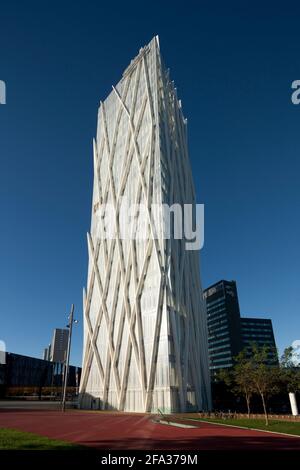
point(275, 426)
point(11, 439)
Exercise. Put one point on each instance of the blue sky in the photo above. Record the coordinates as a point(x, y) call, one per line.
point(233, 66)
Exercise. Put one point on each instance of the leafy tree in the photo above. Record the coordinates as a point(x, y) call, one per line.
point(242, 374)
point(264, 377)
point(225, 376)
point(290, 370)
point(286, 359)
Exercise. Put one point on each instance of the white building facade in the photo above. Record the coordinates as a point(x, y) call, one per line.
point(145, 333)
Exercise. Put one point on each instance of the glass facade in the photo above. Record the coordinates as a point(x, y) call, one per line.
point(145, 332)
point(23, 372)
point(223, 322)
point(228, 333)
point(260, 332)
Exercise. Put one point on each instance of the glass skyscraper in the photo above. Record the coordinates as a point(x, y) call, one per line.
point(228, 332)
point(223, 321)
point(259, 331)
point(145, 332)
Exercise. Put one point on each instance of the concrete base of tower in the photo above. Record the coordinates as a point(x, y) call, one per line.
point(163, 400)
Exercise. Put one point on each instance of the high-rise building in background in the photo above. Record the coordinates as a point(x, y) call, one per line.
point(59, 345)
point(228, 332)
point(47, 353)
point(145, 333)
point(57, 350)
point(223, 323)
point(260, 332)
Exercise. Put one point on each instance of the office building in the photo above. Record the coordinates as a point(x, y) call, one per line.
point(57, 350)
point(27, 376)
point(228, 332)
point(259, 331)
point(59, 345)
point(223, 323)
point(145, 333)
point(47, 353)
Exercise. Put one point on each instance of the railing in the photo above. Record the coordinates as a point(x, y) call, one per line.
point(234, 415)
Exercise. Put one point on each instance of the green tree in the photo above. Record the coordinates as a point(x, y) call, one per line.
point(290, 370)
point(225, 376)
point(242, 375)
point(286, 360)
point(265, 377)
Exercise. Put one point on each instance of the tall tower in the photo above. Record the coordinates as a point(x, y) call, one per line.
point(145, 333)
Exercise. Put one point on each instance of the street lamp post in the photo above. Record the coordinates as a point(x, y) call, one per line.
point(70, 326)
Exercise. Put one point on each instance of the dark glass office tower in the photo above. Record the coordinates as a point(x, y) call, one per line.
point(260, 332)
point(223, 320)
point(228, 333)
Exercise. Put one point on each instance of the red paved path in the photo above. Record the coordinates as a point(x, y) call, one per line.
point(120, 431)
